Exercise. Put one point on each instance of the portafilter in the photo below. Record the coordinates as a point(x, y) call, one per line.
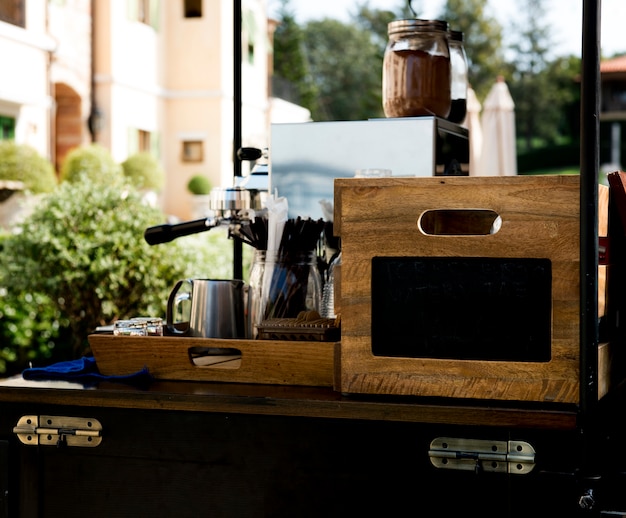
point(230, 206)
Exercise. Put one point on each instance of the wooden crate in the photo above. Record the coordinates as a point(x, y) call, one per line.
point(274, 362)
point(385, 218)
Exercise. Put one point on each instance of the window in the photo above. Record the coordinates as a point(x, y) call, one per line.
point(7, 128)
point(144, 11)
point(192, 151)
point(140, 141)
point(143, 141)
point(12, 11)
point(193, 8)
point(249, 34)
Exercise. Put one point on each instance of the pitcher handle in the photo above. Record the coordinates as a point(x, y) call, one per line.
point(174, 300)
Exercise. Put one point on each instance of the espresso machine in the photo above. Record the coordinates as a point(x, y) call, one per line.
point(306, 157)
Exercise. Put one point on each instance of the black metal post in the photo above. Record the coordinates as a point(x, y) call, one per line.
point(590, 477)
point(237, 55)
point(589, 163)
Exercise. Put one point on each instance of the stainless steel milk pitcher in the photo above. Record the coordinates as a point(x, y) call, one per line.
point(212, 308)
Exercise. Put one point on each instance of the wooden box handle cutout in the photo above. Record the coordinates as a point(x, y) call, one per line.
point(215, 357)
point(459, 222)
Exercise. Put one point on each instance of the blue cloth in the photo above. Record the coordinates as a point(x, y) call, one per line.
point(83, 370)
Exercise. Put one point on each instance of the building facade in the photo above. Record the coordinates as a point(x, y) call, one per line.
point(136, 75)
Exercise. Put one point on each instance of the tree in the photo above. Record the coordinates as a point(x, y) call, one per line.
point(538, 103)
point(482, 40)
point(291, 75)
point(375, 21)
point(562, 74)
point(335, 68)
point(346, 62)
point(346, 68)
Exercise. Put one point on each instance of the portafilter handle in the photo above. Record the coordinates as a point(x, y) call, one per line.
point(168, 232)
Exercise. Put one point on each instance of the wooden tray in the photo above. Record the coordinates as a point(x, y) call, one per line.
point(205, 359)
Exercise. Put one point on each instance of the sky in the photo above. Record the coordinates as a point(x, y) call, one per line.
point(564, 16)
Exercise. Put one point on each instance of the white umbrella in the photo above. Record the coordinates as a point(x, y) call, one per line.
point(498, 156)
point(472, 123)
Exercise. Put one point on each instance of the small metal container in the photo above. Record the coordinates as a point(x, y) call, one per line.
point(130, 328)
point(154, 325)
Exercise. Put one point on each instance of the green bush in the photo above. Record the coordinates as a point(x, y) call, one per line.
point(29, 329)
point(144, 171)
point(81, 255)
point(550, 157)
point(19, 162)
point(199, 184)
point(93, 162)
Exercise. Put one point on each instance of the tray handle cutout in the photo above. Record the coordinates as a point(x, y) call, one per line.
point(459, 222)
point(215, 357)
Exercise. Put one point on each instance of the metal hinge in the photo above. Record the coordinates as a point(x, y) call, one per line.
point(58, 431)
point(515, 457)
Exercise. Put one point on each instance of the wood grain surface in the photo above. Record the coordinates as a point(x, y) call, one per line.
point(261, 361)
point(540, 219)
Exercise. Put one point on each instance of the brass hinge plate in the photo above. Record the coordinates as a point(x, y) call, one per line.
point(515, 457)
point(58, 431)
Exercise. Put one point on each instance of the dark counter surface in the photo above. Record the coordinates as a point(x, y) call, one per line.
point(281, 400)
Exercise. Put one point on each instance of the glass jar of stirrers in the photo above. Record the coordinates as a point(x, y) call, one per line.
point(281, 286)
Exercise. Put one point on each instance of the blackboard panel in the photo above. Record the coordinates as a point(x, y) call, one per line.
point(466, 308)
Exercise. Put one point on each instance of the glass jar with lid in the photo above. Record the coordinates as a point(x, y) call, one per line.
point(416, 69)
point(458, 87)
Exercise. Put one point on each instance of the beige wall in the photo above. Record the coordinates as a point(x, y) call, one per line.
point(69, 23)
point(174, 80)
point(126, 76)
point(24, 92)
point(53, 48)
point(197, 80)
point(177, 81)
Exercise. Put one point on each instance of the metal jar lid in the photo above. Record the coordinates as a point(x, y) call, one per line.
point(456, 36)
point(416, 25)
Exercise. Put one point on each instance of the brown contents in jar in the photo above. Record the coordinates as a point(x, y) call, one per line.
point(416, 83)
